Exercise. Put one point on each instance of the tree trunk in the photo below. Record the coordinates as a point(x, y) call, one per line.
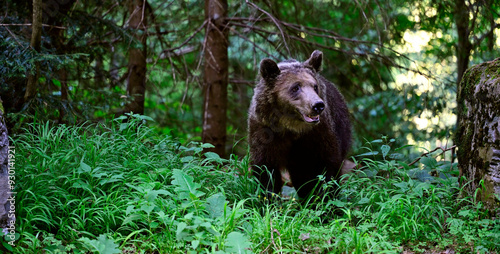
point(7, 217)
point(478, 131)
point(56, 17)
point(57, 38)
point(136, 80)
point(215, 76)
point(36, 37)
point(464, 46)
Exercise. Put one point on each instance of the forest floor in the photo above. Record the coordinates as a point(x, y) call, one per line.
point(122, 188)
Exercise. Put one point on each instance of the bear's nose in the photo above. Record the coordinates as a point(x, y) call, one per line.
point(318, 107)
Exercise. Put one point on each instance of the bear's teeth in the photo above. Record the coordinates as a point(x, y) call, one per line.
point(313, 118)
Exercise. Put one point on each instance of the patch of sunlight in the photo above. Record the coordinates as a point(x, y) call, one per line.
point(416, 41)
point(410, 140)
point(497, 34)
point(448, 118)
point(415, 15)
point(424, 121)
point(430, 12)
point(418, 145)
point(424, 84)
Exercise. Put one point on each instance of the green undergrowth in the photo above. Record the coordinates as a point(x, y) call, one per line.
point(122, 188)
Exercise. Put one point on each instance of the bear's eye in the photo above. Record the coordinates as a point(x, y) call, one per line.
point(316, 88)
point(295, 88)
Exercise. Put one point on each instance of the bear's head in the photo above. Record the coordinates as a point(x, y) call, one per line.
point(296, 92)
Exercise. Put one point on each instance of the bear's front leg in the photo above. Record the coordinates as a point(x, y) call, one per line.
point(267, 171)
point(267, 155)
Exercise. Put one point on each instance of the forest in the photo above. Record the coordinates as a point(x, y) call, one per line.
point(128, 133)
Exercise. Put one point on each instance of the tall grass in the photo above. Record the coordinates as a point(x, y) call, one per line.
point(120, 187)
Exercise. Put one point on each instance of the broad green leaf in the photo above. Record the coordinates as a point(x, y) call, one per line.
point(207, 145)
point(364, 201)
point(84, 168)
point(154, 224)
point(187, 159)
point(180, 235)
point(464, 213)
point(429, 162)
point(130, 208)
point(147, 208)
point(123, 126)
point(419, 189)
point(404, 186)
point(195, 244)
point(421, 175)
point(237, 243)
point(396, 197)
point(385, 150)
point(212, 156)
point(102, 245)
point(142, 117)
point(120, 118)
point(79, 184)
point(184, 183)
point(151, 195)
point(56, 82)
point(215, 205)
point(338, 203)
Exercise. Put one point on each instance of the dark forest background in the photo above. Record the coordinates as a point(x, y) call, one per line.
point(397, 62)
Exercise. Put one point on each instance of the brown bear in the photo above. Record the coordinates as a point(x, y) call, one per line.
point(298, 121)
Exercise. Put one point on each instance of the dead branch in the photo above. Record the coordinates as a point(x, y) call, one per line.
point(275, 21)
point(187, 40)
point(29, 24)
point(250, 41)
point(433, 150)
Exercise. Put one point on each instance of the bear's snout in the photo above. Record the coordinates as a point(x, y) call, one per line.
point(318, 107)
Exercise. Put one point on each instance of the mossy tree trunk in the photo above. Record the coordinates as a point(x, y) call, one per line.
point(5, 190)
point(478, 131)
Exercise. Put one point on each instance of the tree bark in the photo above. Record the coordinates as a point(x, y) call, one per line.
point(215, 76)
point(5, 188)
point(464, 45)
point(136, 80)
point(57, 18)
point(478, 132)
point(36, 37)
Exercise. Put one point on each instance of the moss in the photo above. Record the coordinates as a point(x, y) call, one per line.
point(476, 88)
point(474, 74)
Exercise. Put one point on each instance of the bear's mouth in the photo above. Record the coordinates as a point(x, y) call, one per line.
point(311, 118)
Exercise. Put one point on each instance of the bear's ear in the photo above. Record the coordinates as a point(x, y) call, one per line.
point(315, 60)
point(269, 69)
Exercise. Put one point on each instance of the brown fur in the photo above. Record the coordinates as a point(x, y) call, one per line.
point(287, 132)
